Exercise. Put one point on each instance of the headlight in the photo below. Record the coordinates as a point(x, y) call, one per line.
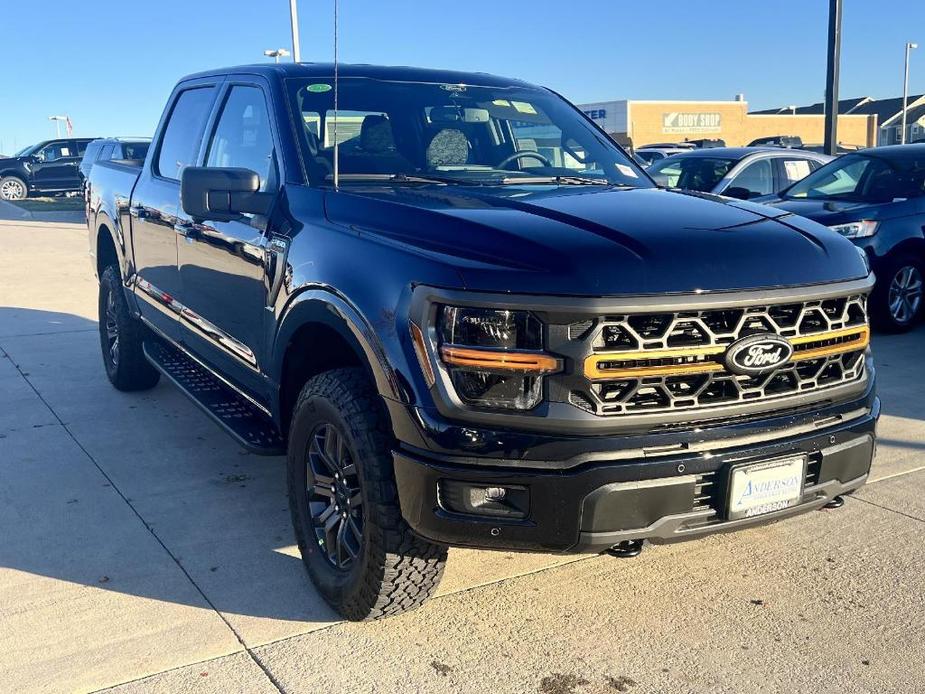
point(856, 230)
point(494, 358)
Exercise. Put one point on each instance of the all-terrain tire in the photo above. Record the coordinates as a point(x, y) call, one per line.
point(126, 365)
point(394, 570)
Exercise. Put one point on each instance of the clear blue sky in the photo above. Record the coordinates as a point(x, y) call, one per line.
point(110, 64)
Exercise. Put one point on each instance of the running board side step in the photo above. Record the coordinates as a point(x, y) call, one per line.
point(239, 417)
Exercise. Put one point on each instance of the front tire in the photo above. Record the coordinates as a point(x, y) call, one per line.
point(121, 338)
point(13, 188)
point(897, 300)
point(360, 553)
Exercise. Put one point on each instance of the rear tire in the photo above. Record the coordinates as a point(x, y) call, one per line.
point(897, 300)
point(121, 338)
point(13, 188)
point(360, 553)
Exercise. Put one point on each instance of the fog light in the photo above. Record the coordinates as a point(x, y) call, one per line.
point(495, 494)
point(472, 499)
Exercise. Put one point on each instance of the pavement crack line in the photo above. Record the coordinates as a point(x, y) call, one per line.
point(246, 649)
point(886, 508)
point(50, 332)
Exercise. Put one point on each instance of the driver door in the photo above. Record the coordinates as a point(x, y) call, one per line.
point(56, 165)
point(223, 265)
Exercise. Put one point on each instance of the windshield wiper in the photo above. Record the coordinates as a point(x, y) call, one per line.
point(430, 178)
point(400, 178)
point(563, 181)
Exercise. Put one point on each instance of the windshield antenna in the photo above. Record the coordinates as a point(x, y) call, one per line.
point(336, 114)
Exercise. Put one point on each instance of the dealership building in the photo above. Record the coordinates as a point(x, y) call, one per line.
point(638, 123)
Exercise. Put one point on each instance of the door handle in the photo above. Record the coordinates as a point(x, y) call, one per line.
point(138, 212)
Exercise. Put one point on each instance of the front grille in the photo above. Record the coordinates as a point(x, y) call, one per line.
point(667, 362)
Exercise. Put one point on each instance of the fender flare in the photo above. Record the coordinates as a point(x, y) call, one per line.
point(322, 305)
point(103, 219)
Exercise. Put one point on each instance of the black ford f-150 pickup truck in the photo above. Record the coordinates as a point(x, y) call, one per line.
point(468, 318)
point(48, 167)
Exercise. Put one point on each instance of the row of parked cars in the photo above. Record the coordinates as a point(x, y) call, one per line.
point(60, 166)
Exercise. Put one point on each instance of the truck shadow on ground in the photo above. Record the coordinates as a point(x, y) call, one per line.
point(115, 490)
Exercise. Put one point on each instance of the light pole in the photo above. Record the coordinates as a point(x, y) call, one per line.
point(831, 77)
point(57, 120)
point(276, 53)
point(294, 20)
point(909, 47)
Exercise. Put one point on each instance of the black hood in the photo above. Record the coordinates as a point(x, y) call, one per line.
point(596, 241)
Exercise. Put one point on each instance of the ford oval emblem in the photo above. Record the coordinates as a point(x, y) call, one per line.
point(758, 354)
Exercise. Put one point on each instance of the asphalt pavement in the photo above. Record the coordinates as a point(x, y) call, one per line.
point(143, 551)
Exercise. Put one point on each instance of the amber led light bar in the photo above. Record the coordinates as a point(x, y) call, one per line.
point(703, 360)
point(499, 360)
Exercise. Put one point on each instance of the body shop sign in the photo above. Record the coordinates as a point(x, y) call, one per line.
point(677, 122)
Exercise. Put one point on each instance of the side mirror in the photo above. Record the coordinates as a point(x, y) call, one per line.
point(738, 193)
point(222, 194)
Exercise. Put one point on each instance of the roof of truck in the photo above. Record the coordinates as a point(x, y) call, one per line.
point(383, 72)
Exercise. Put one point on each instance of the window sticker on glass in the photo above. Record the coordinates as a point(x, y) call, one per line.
point(627, 171)
point(796, 169)
point(524, 107)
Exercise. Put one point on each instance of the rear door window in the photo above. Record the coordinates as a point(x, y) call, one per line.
point(180, 141)
point(794, 169)
point(757, 178)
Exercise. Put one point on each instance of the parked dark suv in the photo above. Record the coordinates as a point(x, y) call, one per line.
point(876, 198)
point(468, 318)
point(48, 167)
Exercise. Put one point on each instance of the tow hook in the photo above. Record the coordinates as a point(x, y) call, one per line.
point(836, 502)
point(627, 549)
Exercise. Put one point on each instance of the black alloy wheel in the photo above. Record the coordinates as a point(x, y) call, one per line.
point(334, 498)
point(112, 330)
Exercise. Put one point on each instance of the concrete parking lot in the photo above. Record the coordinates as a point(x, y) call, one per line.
point(142, 550)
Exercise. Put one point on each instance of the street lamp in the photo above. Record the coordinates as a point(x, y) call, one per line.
point(58, 120)
point(909, 47)
point(276, 53)
point(294, 22)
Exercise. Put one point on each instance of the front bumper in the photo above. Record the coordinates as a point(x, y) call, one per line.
point(592, 506)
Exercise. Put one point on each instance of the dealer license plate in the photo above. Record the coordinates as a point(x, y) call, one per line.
point(766, 487)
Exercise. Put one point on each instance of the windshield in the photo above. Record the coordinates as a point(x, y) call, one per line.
point(424, 132)
point(863, 178)
point(26, 151)
point(691, 173)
